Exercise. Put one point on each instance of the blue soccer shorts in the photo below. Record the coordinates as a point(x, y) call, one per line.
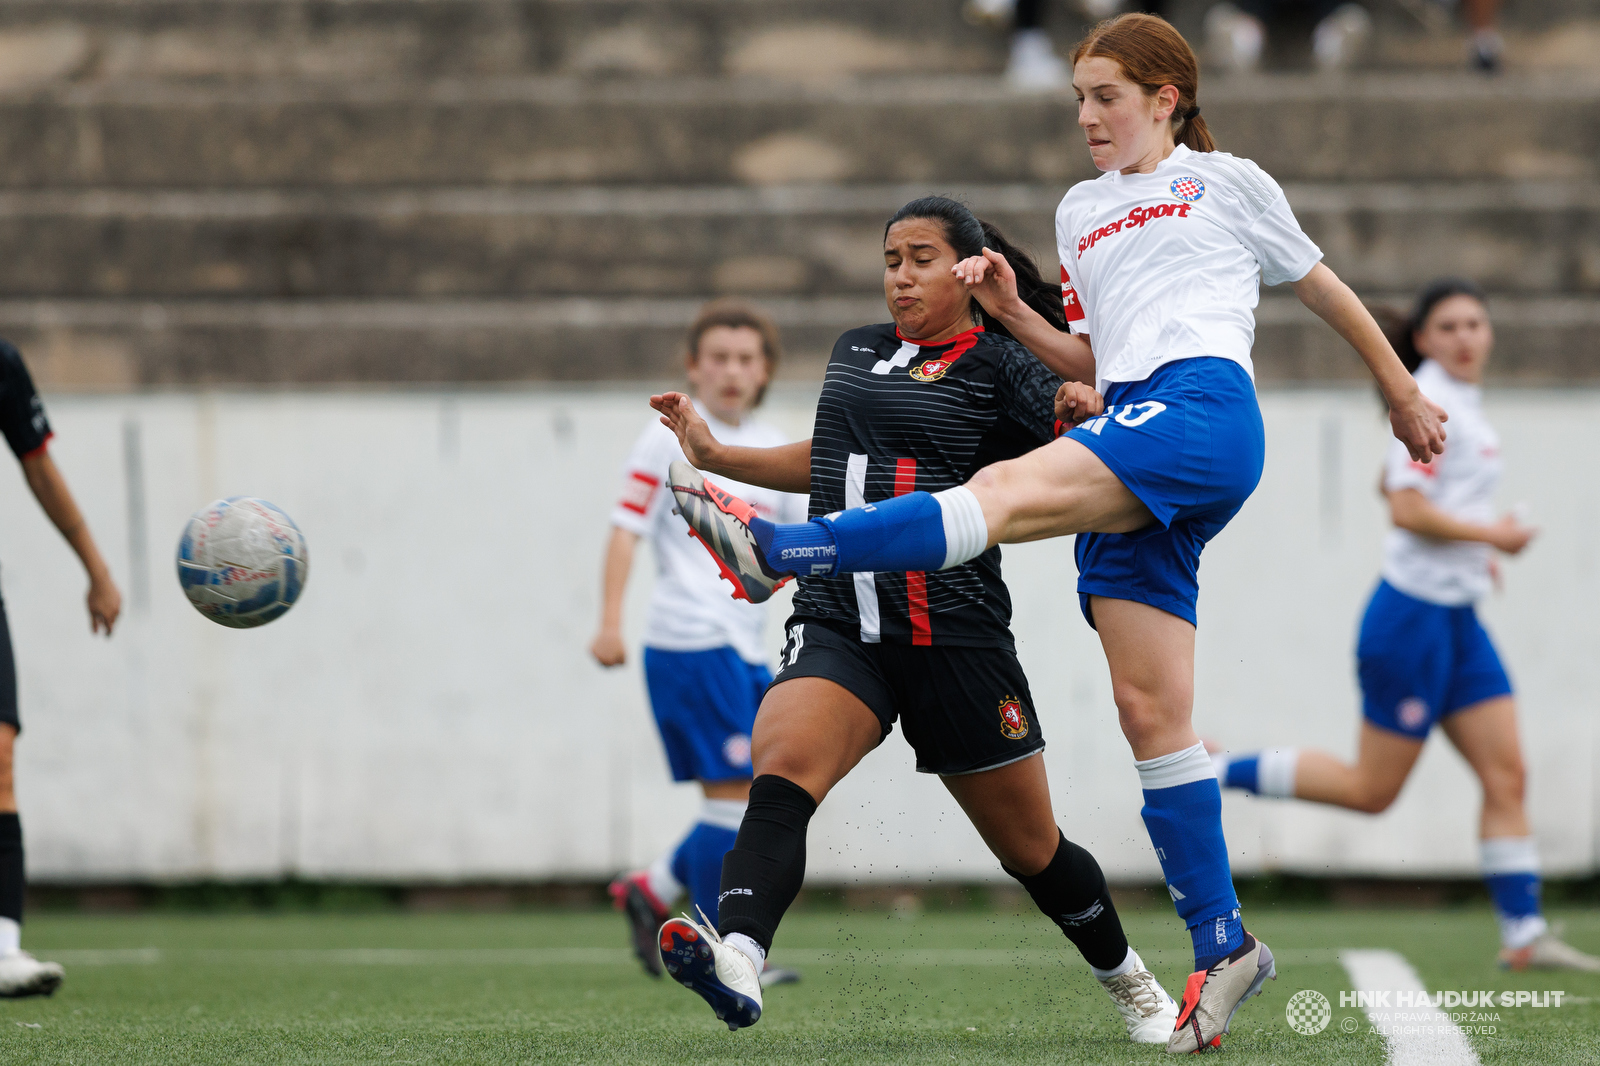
point(705, 706)
point(1188, 442)
point(1420, 662)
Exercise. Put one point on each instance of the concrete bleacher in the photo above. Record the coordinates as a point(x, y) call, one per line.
point(208, 191)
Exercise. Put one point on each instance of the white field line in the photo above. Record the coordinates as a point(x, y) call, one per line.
point(1420, 1037)
point(603, 956)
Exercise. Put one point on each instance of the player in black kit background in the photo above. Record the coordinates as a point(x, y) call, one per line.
point(919, 404)
point(27, 433)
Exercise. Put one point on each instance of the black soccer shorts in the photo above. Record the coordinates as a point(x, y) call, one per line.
point(963, 710)
point(8, 676)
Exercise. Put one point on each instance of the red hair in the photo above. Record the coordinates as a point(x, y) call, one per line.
point(1152, 54)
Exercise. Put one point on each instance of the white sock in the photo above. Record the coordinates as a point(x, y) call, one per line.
point(966, 531)
point(1129, 963)
point(747, 947)
point(724, 814)
point(1175, 768)
point(663, 885)
point(10, 937)
point(1275, 772)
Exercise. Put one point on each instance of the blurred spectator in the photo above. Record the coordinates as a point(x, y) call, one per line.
point(1485, 46)
point(1236, 31)
point(1034, 65)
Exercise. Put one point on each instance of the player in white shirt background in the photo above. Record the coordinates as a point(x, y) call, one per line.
point(1423, 657)
point(704, 656)
point(1164, 253)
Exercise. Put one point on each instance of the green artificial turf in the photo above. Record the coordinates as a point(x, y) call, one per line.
point(969, 987)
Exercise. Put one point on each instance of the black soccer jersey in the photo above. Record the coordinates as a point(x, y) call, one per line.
point(22, 417)
point(898, 417)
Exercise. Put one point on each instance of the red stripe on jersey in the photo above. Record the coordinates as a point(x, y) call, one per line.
point(1069, 299)
point(905, 481)
point(638, 491)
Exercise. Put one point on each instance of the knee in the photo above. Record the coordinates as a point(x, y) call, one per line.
point(1030, 855)
point(1143, 715)
point(1505, 784)
point(1376, 800)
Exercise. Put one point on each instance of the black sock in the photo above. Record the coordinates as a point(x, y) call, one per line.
point(762, 874)
point(11, 882)
point(1072, 893)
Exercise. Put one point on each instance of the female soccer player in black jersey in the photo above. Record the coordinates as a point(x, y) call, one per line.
point(920, 404)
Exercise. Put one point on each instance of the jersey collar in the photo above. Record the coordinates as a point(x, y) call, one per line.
point(965, 339)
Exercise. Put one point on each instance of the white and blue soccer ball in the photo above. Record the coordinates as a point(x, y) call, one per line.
point(242, 562)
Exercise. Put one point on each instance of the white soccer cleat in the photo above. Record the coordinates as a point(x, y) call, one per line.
point(1148, 1012)
point(1549, 952)
point(23, 975)
point(696, 957)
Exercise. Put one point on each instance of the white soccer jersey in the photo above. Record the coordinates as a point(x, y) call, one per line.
point(1165, 266)
point(692, 608)
point(1461, 483)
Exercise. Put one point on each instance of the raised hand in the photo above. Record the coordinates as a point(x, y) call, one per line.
point(990, 279)
point(678, 414)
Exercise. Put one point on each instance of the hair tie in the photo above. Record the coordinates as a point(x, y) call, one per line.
point(1193, 112)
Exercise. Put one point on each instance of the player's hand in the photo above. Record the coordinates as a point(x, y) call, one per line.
point(990, 279)
point(1076, 402)
point(608, 649)
point(1418, 423)
point(1510, 535)
point(678, 414)
point(105, 604)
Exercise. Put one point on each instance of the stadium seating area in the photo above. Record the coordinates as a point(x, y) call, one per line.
point(304, 191)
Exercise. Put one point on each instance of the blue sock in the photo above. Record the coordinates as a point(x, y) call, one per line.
point(1183, 813)
point(903, 533)
point(1242, 773)
point(698, 864)
point(799, 548)
point(1511, 870)
point(1514, 895)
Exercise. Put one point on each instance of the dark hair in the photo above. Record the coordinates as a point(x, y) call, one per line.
point(1152, 54)
point(736, 314)
point(1405, 340)
point(969, 236)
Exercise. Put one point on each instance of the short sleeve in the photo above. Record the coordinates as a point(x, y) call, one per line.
point(22, 416)
point(1400, 471)
point(1262, 220)
point(644, 478)
point(1027, 392)
point(1071, 304)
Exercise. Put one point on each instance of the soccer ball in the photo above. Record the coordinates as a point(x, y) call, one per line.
point(242, 562)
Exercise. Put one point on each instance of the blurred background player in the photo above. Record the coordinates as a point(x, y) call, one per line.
point(1423, 657)
point(27, 431)
point(704, 657)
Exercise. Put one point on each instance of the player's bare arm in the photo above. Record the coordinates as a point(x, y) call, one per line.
point(786, 468)
point(607, 647)
point(1413, 511)
point(1417, 421)
point(50, 489)
point(994, 284)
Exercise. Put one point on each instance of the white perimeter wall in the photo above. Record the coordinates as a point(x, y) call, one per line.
point(428, 710)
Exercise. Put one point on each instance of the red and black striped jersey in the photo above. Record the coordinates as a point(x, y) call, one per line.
point(897, 417)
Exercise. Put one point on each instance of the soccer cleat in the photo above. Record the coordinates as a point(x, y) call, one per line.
point(1212, 997)
point(631, 895)
point(23, 975)
point(696, 958)
point(1146, 1009)
point(720, 521)
point(1549, 952)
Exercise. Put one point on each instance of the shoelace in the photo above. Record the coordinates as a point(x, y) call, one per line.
point(1137, 990)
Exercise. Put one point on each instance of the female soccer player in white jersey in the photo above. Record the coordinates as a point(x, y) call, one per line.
point(704, 659)
point(914, 404)
point(1423, 658)
point(1161, 259)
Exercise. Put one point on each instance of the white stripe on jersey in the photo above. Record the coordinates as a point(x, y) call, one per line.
point(855, 495)
point(902, 358)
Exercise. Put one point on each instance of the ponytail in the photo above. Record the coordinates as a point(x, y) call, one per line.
point(969, 236)
point(1152, 54)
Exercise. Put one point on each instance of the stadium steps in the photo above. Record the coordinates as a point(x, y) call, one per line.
point(278, 191)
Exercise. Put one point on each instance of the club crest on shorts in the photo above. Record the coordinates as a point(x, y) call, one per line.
point(1188, 189)
point(1013, 723)
point(932, 370)
point(1412, 713)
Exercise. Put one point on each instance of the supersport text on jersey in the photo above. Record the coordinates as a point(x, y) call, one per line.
point(1165, 266)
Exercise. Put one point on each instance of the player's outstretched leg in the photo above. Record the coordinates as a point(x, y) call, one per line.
point(721, 521)
point(1072, 892)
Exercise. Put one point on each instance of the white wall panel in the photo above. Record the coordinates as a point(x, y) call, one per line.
point(428, 710)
